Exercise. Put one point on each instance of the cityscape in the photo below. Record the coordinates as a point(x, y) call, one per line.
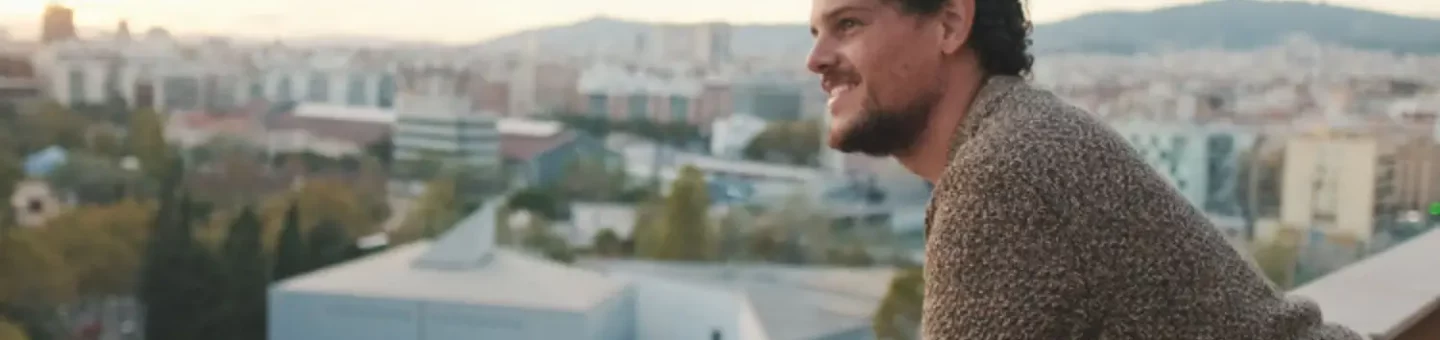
point(613, 179)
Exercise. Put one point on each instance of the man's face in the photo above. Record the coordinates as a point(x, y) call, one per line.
point(881, 68)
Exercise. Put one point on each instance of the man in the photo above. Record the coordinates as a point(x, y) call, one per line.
point(1044, 223)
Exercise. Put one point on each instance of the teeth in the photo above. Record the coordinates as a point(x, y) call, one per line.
point(838, 89)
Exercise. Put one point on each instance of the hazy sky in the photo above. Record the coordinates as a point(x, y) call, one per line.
point(472, 20)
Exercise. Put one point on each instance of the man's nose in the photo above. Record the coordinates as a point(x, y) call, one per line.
point(822, 58)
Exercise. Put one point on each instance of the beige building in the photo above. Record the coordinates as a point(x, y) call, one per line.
point(1329, 183)
point(1350, 182)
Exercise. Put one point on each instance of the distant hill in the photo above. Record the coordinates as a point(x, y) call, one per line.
point(1239, 24)
point(1234, 24)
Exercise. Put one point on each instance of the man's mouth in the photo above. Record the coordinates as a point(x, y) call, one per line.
point(837, 90)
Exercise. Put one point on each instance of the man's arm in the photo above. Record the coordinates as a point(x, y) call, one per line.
point(1001, 264)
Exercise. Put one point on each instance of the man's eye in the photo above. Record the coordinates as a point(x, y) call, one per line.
point(846, 24)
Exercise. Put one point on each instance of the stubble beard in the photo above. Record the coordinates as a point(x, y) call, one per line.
point(880, 132)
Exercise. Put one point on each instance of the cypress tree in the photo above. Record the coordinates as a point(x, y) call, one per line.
point(329, 244)
point(290, 254)
point(246, 278)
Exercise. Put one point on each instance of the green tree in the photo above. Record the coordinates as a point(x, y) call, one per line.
point(437, 209)
point(608, 244)
point(179, 279)
point(683, 227)
point(328, 244)
point(539, 237)
point(538, 201)
point(290, 254)
point(60, 126)
point(343, 202)
point(854, 255)
point(34, 272)
point(1278, 261)
point(730, 235)
point(246, 277)
point(146, 140)
point(10, 331)
point(898, 317)
point(796, 142)
point(11, 173)
point(101, 245)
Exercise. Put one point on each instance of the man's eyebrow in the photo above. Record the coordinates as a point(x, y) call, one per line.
point(835, 12)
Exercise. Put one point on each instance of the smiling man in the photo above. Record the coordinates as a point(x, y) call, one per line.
point(1044, 223)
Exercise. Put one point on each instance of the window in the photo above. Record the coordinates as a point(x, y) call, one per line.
point(319, 90)
point(638, 106)
point(386, 97)
point(355, 90)
point(283, 91)
point(77, 87)
point(598, 105)
point(679, 108)
point(257, 91)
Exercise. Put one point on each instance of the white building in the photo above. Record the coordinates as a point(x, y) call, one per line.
point(160, 72)
point(1202, 161)
point(730, 135)
point(434, 118)
point(707, 43)
point(620, 92)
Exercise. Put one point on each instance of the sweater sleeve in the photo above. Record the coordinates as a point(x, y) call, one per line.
point(1000, 263)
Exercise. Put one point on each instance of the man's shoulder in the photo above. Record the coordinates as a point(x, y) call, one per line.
point(1033, 128)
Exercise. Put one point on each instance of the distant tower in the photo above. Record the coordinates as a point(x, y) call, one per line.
point(57, 24)
point(122, 33)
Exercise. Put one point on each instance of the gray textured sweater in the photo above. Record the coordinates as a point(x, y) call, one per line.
point(1047, 225)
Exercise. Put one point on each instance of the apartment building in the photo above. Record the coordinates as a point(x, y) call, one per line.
point(1339, 182)
point(172, 76)
point(625, 92)
point(434, 118)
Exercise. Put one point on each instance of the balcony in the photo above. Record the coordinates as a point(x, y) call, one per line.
point(1392, 295)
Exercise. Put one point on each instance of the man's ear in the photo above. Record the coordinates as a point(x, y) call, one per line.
point(955, 21)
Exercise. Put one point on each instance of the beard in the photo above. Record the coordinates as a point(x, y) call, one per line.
point(881, 132)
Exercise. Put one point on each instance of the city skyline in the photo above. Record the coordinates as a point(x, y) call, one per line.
point(390, 19)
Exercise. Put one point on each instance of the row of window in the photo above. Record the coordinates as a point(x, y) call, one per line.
point(181, 92)
point(638, 106)
point(319, 90)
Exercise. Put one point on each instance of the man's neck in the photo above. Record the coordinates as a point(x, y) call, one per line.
point(931, 152)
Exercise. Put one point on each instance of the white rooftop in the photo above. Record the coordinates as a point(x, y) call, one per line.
point(366, 114)
point(791, 302)
point(1385, 293)
point(529, 127)
point(510, 279)
point(464, 266)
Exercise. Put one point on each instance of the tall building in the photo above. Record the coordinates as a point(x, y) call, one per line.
point(58, 24)
point(435, 119)
point(707, 43)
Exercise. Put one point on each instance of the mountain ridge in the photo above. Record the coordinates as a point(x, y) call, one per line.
point(1230, 24)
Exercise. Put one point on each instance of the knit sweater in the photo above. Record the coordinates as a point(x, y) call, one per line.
point(1047, 225)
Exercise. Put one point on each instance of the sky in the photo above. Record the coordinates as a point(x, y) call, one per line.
point(461, 21)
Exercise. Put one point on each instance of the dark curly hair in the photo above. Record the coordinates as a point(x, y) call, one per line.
point(1000, 34)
